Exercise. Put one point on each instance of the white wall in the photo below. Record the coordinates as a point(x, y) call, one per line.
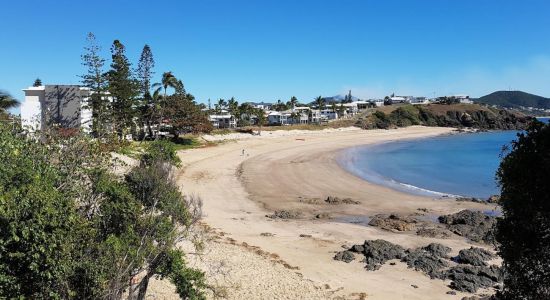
point(31, 112)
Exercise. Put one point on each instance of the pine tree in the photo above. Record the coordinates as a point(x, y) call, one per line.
point(123, 88)
point(37, 82)
point(145, 69)
point(95, 80)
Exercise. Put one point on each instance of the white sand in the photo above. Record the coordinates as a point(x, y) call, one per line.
point(278, 168)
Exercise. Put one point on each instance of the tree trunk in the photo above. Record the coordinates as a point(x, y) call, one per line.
point(143, 285)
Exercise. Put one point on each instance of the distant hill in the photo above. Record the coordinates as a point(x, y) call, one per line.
point(339, 98)
point(515, 99)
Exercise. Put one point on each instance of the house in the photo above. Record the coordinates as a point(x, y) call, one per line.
point(419, 100)
point(261, 105)
point(463, 99)
point(278, 118)
point(329, 114)
point(64, 106)
point(223, 121)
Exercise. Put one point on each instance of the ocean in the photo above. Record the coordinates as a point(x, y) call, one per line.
point(453, 165)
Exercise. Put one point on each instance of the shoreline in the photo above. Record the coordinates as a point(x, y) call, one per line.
point(293, 172)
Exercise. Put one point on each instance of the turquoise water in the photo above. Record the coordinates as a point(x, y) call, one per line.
point(460, 164)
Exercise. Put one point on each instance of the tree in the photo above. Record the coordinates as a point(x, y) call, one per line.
point(6, 102)
point(524, 230)
point(37, 82)
point(184, 115)
point(70, 229)
point(293, 101)
point(387, 100)
point(96, 81)
point(261, 118)
point(320, 102)
point(123, 88)
point(233, 106)
point(145, 69)
point(169, 81)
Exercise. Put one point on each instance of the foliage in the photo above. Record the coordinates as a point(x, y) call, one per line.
point(123, 88)
point(71, 229)
point(162, 150)
point(145, 69)
point(96, 81)
point(6, 102)
point(524, 230)
point(37, 82)
point(184, 115)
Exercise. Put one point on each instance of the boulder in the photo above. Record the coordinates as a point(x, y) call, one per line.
point(474, 225)
point(428, 259)
point(473, 256)
point(377, 252)
point(393, 222)
point(345, 256)
point(467, 278)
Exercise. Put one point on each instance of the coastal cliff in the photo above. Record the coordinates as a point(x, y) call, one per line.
point(442, 115)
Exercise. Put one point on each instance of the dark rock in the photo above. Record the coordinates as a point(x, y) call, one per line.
point(393, 222)
point(434, 232)
point(437, 250)
point(322, 216)
point(336, 200)
point(345, 256)
point(357, 249)
point(377, 252)
point(467, 278)
point(473, 225)
point(414, 286)
point(451, 293)
point(284, 214)
point(428, 259)
point(473, 256)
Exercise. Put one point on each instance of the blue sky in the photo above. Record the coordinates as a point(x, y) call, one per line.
point(274, 49)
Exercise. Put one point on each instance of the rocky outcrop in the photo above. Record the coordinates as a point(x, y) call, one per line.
point(377, 252)
point(345, 256)
point(394, 222)
point(337, 200)
point(285, 214)
point(467, 278)
point(473, 225)
point(429, 259)
point(468, 271)
point(474, 256)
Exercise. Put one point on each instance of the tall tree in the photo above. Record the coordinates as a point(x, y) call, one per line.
point(169, 81)
point(233, 106)
point(145, 69)
point(37, 82)
point(6, 102)
point(524, 230)
point(96, 81)
point(293, 102)
point(123, 88)
point(183, 114)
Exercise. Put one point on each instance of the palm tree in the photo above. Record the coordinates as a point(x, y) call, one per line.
point(320, 102)
point(7, 102)
point(169, 80)
point(233, 105)
point(293, 102)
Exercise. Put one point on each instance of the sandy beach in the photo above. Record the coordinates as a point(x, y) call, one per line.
point(252, 256)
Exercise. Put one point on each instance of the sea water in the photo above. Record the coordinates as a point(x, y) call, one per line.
point(453, 165)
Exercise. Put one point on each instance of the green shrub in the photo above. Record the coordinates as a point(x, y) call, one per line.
point(161, 150)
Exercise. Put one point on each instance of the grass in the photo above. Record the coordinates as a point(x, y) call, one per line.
point(135, 148)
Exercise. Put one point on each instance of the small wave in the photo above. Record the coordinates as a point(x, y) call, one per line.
point(416, 188)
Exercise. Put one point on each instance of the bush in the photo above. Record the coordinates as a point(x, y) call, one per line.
point(161, 150)
point(524, 230)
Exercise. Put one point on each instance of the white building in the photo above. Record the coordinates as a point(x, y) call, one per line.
point(223, 121)
point(56, 105)
point(419, 100)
